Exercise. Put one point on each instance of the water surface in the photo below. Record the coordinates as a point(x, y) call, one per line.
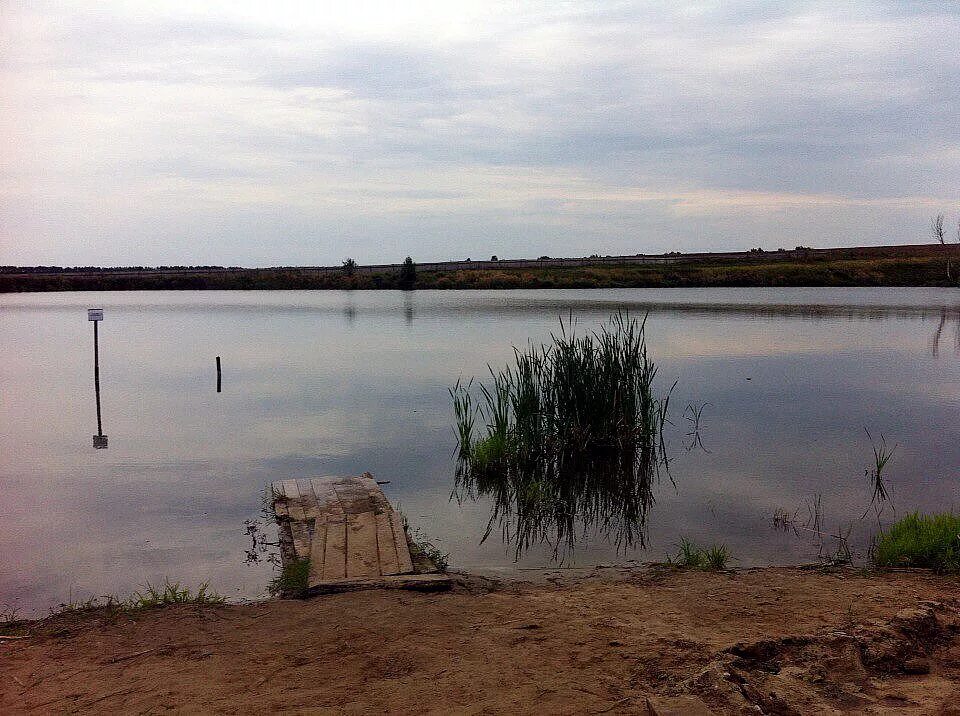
point(318, 383)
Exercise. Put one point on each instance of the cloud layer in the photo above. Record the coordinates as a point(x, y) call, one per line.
point(296, 133)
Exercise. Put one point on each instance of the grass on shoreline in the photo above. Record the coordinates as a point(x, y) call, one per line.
point(292, 581)
point(150, 597)
point(930, 541)
point(693, 556)
point(845, 270)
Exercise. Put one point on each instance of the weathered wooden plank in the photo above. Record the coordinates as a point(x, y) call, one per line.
point(362, 556)
point(308, 499)
point(327, 500)
point(318, 549)
point(377, 499)
point(335, 550)
point(291, 489)
point(345, 526)
point(416, 582)
point(400, 540)
point(294, 503)
point(353, 497)
point(386, 546)
point(369, 484)
point(301, 538)
point(279, 499)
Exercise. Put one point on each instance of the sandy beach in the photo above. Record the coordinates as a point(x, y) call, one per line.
point(645, 640)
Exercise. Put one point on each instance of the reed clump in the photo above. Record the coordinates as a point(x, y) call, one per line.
point(566, 440)
point(931, 541)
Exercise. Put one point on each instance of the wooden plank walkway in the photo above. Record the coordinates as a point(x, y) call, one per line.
point(347, 529)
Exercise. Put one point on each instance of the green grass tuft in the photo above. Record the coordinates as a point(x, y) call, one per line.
point(931, 541)
point(292, 580)
point(150, 597)
point(692, 556)
point(716, 557)
point(172, 593)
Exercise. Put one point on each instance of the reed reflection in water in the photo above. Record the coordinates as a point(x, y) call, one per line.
point(570, 439)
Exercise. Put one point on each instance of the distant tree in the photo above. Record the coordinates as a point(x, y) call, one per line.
point(494, 258)
point(936, 226)
point(349, 267)
point(408, 274)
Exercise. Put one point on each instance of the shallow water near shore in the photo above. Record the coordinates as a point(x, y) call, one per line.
point(319, 383)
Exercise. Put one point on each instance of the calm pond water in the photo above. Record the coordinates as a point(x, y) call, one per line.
point(318, 383)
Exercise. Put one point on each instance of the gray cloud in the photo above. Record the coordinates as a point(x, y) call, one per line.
point(136, 136)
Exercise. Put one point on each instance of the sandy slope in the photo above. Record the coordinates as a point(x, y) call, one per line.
point(615, 642)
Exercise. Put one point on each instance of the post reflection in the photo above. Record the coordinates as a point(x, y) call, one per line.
point(938, 333)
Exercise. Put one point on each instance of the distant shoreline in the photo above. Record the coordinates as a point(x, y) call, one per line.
point(903, 265)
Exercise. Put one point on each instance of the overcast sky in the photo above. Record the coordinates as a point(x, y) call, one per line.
point(183, 132)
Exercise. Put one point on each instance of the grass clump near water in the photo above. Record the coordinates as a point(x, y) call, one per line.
point(173, 593)
point(292, 581)
point(931, 541)
point(568, 439)
point(150, 597)
point(692, 556)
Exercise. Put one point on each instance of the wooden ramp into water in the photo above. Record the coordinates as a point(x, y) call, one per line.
point(352, 536)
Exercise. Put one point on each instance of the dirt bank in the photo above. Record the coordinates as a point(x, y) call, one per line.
point(644, 641)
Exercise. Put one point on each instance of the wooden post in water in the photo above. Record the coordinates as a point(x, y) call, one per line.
point(218, 374)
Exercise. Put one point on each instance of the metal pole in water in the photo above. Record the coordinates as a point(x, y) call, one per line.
point(96, 315)
point(96, 374)
point(218, 374)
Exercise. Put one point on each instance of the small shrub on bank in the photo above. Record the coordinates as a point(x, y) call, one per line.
point(931, 541)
